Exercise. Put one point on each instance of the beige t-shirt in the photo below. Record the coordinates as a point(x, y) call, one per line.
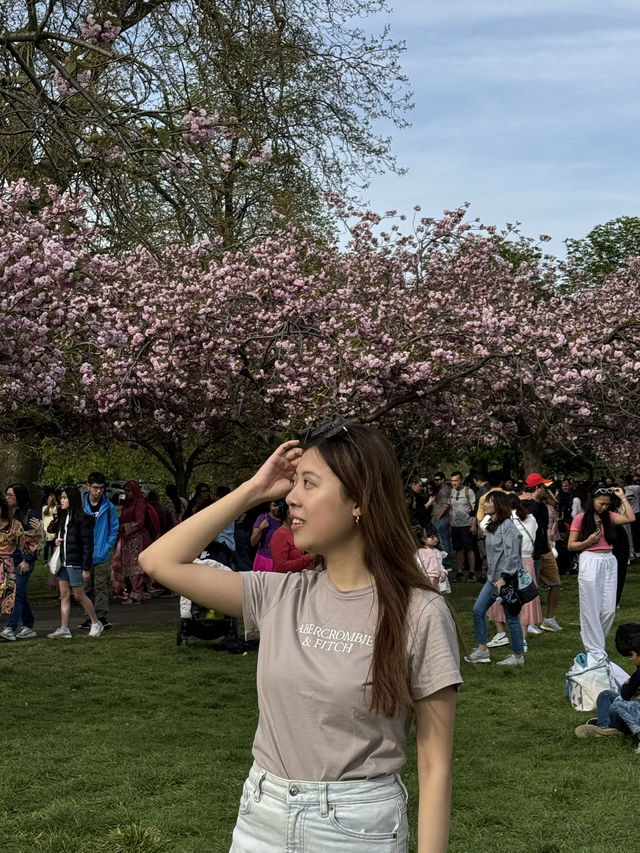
point(316, 644)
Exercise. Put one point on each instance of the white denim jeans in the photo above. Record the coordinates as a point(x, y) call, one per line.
point(286, 816)
point(597, 584)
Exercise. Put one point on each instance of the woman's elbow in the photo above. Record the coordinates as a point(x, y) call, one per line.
point(146, 562)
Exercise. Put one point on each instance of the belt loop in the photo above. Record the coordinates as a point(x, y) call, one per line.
point(404, 790)
point(258, 794)
point(323, 799)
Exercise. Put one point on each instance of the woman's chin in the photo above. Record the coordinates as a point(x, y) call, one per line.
point(300, 540)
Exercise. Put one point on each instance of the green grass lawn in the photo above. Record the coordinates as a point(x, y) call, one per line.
point(130, 744)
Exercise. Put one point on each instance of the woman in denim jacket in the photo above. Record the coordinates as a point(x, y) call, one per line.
point(503, 558)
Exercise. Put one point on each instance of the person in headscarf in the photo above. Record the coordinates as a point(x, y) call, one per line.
point(133, 537)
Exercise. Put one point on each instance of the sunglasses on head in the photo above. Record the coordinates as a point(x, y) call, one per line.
point(329, 429)
point(603, 491)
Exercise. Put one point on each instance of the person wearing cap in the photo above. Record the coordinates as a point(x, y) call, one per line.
point(547, 573)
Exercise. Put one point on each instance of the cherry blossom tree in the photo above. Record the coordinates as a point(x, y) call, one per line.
point(436, 332)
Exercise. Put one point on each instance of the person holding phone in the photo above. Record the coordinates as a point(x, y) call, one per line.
point(592, 534)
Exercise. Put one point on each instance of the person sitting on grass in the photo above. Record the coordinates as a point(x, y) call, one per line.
point(619, 714)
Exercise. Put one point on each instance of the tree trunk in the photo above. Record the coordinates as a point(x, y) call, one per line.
point(21, 463)
point(531, 449)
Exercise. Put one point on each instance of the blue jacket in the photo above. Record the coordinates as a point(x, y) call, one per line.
point(106, 528)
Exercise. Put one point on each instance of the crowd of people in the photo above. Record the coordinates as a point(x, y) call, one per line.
point(490, 527)
point(338, 506)
point(456, 533)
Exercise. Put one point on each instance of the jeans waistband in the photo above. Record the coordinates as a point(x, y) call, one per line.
point(298, 791)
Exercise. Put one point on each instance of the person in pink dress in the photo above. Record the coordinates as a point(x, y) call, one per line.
point(266, 525)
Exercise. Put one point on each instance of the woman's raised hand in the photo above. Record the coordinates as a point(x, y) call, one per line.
point(275, 478)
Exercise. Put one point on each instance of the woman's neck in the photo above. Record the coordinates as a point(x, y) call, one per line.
point(347, 570)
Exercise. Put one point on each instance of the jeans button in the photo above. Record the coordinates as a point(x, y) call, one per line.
point(294, 790)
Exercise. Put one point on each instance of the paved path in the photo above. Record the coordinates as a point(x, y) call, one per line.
point(154, 612)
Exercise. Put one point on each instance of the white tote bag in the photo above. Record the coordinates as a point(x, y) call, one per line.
point(54, 561)
point(588, 677)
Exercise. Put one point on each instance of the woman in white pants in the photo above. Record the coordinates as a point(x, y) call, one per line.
point(593, 533)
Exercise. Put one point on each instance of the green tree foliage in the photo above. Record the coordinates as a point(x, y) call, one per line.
point(199, 117)
point(605, 248)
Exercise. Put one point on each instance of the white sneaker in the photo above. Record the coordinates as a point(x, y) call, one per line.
point(60, 633)
point(550, 624)
point(96, 629)
point(479, 656)
point(8, 634)
point(500, 639)
point(512, 660)
point(533, 629)
point(25, 633)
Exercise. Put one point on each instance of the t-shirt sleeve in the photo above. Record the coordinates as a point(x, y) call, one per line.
point(576, 524)
point(260, 592)
point(259, 520)
point(434, 656)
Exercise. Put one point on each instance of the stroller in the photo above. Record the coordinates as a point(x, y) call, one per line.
point(196, 621)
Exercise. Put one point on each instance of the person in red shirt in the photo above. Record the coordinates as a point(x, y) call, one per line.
point(286, 557)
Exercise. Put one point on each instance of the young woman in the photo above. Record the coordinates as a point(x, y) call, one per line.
point(531, 612)
point(348, 654)
point(75, 540)
point(265, 526)
point(24, 559)
point(593, 533)
point(200, 500)
point(133, 537)
point(11, 538)
point(504, 542)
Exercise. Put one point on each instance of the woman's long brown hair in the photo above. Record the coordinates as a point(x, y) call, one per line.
point(365, 463)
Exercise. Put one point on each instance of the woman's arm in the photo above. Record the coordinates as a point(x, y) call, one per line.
point(435, 717)
point(575, 544)
point(627, 515)
point(169, 560)
point(256, 533)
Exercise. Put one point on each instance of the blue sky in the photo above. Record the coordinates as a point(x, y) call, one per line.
point(528, 110)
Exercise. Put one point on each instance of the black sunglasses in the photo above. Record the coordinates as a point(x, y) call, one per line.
point(326, 430)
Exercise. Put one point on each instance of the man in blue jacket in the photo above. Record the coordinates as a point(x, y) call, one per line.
point(105, 533)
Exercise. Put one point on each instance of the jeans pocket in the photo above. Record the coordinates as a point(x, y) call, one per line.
point(373, 821)
point(248, 797)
